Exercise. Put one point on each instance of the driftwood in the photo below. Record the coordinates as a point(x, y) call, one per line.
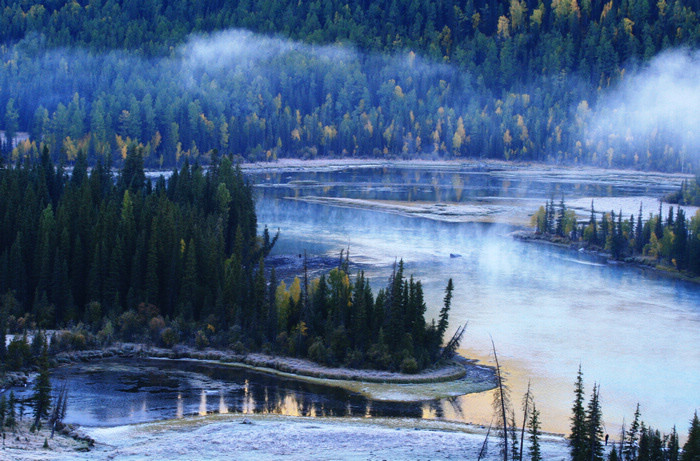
point(452, 345)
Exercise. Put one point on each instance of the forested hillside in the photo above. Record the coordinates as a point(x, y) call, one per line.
point(523, 80)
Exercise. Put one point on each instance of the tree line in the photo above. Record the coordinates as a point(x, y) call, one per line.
point(673, 241)
point(514, 80)
point(639, 442)
point(586, 440)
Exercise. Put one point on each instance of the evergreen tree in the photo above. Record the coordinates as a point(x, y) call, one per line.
point(594, 427)
point(691, 449)
point(593, 223)
point(3, 412)
point(3, 332)
point(561, 216)
point(444, 312)
point(42, 389)
point(534, 429)
point(613, 456)
point(11, 419)
point(629, 451)
point(673, 448)
point(577, 437)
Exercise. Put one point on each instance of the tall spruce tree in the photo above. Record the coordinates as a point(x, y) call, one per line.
point(629, 450)
point(594, 427)
point(534, 429)
point(577, 438)
point(444, 312)
point(691, 449)
point(673, 447)
point(42, 389)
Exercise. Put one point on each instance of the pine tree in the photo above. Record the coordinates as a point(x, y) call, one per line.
point(560, 218)
point(594, 427)
point(501, 403)
point(577, 438)
point(11, 419)
point(3, 331)
point(594, 226)
point(42, 389)
point(613, 455)
point(691, 449)
point(444, 312)
point(527, 403)
point(629, 451)
point(3, 411)
point(534, 425)
point(673, 446)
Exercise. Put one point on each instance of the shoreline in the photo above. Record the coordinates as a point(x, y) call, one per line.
point(632, 262)
point(459, 376)
point(252, 437)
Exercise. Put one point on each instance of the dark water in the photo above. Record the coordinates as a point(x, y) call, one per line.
point(124, 391)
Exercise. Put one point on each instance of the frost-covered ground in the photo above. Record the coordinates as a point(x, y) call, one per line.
point(250, 437)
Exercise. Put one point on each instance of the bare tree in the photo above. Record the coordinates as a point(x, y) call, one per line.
point(59, 409)
point(453, 344)
point(485, 445)
point(500, 402)
point(527, 403)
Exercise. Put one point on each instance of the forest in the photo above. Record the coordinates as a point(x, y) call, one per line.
point(179, 261)
point(673, 241)
point(514, 80)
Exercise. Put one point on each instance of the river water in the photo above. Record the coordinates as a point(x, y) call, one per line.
point(548, 310)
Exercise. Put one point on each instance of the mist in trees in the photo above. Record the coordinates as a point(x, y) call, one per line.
point(511, 80)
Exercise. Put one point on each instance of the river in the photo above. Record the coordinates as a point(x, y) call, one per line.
point(548, 310)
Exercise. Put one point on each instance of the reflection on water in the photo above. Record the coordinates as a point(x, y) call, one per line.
point(548, 310)
point(124, 391)
point(440, 185)
point(635, 333)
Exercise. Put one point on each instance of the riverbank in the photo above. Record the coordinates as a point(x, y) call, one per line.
point(456, 377)
point(23, 443)
point(638, 262)
point(254, 437)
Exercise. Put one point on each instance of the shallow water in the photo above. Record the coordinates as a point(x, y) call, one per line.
point(548, 310)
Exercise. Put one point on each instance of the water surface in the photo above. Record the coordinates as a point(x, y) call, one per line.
point(548, 310)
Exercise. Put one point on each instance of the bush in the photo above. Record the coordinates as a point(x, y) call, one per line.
point(169, 337)
point(200, 340)
point(318, 352)
point(18, 354)
point(355, 359)
point(409, 366)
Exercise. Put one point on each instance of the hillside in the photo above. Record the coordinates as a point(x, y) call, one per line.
point(611, 84)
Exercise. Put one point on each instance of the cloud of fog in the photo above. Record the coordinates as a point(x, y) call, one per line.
point(243, 48)
point(661, 99)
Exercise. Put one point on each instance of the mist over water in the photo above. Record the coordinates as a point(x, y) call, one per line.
point(548, 309)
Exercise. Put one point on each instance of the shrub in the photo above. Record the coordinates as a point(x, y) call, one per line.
point(200, 340)
point(318, 352)
point(169, 337)
point(409, 366)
